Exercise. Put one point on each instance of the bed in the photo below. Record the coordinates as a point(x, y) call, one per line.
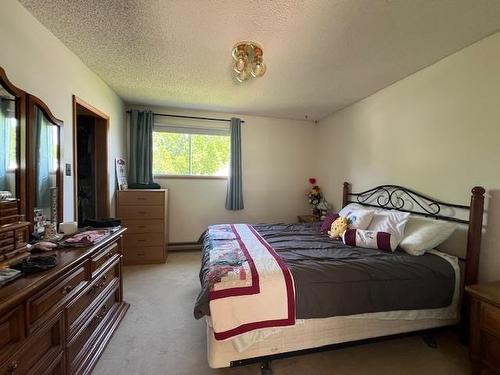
point(339, 294)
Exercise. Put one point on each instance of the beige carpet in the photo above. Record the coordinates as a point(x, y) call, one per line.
point(160, 336)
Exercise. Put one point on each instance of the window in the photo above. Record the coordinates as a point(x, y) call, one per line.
point(190, 150)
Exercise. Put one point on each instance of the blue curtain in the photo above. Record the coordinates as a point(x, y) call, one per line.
point(4, 146)
point(44, 133)
point(234, 197)
point(141, 147)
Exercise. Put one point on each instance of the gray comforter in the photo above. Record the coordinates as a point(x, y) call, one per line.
point(332, 279)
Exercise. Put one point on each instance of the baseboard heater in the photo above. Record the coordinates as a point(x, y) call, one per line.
point(184, 246)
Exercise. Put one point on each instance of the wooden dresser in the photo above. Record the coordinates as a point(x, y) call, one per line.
point(485, 328)
point(59, 321)
point(145, 214)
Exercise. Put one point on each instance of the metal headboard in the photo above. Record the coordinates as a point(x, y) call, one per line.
point(404, 199)
point(407, 200)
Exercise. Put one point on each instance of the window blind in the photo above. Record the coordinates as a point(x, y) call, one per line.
point(190, 126)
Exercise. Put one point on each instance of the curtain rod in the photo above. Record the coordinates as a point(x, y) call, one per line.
point(193, 117)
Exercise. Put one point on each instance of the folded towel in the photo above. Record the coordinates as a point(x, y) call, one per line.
point(36, 264)
point(86, 238)
point(8, 274)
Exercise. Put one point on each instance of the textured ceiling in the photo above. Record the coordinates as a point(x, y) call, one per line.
point(321, 54)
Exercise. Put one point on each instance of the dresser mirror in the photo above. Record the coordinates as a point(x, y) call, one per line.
point(12, 102)
point(45, 176)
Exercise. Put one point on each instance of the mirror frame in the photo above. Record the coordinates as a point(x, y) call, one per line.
point(20, 96)
point(32, 103)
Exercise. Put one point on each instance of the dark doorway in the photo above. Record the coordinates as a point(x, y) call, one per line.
point(90, 159)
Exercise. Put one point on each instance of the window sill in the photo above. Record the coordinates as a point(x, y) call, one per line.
point(188, 177)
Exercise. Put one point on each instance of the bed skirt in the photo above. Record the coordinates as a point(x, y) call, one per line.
point(314, 333)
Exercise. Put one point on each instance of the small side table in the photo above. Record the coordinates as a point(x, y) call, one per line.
point(484, 342)
point(307, 218)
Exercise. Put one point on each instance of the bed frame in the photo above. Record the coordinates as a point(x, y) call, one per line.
point(406, 200)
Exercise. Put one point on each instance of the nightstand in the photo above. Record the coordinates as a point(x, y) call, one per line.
point(484, 342)
point(307, 218)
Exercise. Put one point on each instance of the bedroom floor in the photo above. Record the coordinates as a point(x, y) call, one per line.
point(160, 336)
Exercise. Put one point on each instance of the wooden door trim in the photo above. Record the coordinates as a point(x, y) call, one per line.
point(98, 114)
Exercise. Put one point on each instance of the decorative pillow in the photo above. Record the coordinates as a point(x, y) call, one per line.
point(357, 217)
point(423, 234)
point(390, 221)
point(327, 222)
point(338, 227)
point(370, 239)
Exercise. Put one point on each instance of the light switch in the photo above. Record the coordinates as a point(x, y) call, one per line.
point(68, 169)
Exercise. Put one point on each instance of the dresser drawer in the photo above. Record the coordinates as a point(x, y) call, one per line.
point(6, 249)
point(11, 330)
point(75, 310)
point(7, 241)
point(77, 349)
point(54, 295)
point(100, 259)
point(490, 348)
point(490, 319)
point(9, 219)
point(7, 234)
point(141, 198)
point(8, 211)
point(144, 239)
point(21, 236)
point(141, 226)
point(8, 203)
point(53, 367)
point(144, 255)
point(43, 346)
point(141, 212)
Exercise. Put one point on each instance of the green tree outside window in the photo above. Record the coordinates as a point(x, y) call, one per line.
point(190, 154)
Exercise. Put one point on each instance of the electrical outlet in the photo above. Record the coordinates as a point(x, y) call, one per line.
point(68, 169)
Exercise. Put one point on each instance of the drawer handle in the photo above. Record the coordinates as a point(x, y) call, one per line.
point(141, 226)
point(141, 198)
point(103, 312)
point(141, 240)
point(13, 367)
point(141, 212)
point(102, 283)
point(67, 289)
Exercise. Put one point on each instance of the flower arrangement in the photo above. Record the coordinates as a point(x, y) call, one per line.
point(318, 203)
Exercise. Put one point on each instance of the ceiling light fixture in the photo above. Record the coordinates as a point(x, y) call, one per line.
point(248, 61)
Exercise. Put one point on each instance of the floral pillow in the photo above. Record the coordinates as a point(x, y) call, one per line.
point(357, 217)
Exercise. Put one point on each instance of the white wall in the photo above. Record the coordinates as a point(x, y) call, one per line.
point(37, 62)
point(278, 156)
point(437, 131)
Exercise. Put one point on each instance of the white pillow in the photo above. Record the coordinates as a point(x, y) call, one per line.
point(357, 216)
point(423, 234)
point(390, 221)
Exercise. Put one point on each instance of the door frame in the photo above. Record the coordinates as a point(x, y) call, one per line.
point(102, 177)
